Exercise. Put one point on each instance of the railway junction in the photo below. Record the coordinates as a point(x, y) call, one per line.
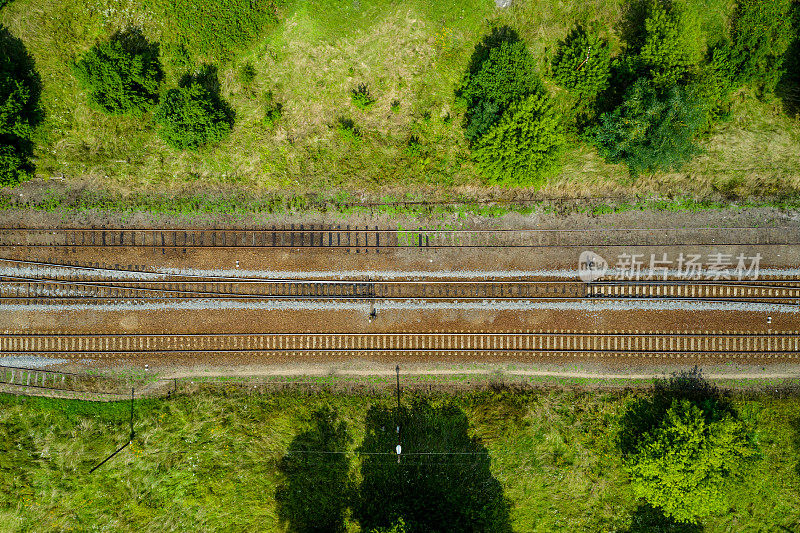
point(321, 299)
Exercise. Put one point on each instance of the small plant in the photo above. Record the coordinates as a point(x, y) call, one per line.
point(395, 106)
point(247, 74)
point(361, 97)
point(348, 130)
point(273, 113)
point(413, 147)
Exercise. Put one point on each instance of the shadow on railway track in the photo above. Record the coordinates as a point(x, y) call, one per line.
point(316, 489)
point(442, 480)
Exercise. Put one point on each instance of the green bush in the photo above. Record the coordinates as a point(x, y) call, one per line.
point(505, 75)
point(122, 75)
point(361, 97)
point(19, 108)
point(685, 465)
point(12, 165)
point(524, 147)
point(192, 116)
point(582, 64)
point(671, 45)
point(761, 32)
point(651, 130)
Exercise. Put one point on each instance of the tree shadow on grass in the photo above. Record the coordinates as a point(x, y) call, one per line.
point(788, 89)
point(316, 488)
point(442, 482)
point(648, 519)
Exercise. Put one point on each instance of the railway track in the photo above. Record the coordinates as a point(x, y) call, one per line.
point(24, 290)
point(53, 380)
point(374, 238)
point(710, 344)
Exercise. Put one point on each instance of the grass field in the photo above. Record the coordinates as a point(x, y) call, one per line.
point(309, 55)
point(210, 461)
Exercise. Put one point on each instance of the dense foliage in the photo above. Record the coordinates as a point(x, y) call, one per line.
point(524, 147)
point(192, 116)
point(122, 75)
point(583, 63)
point(19, 109)
point(685, 465)
point(760, 36)
point(506, 74)
point(670, 47)
point(652, 129)
point(684, 447)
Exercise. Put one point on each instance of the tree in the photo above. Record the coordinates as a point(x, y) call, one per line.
point(192, 116)
point(524, 147)
point(503, 72)
point(316, 488)
point(122, 75)
point(686, 464)
point(671, 44)
point(582, 64)
point(761, 32)
point(19, 108)
point(684, 447)
point(651, 130)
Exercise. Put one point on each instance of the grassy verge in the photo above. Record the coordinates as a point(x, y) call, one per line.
point(308, 55)
point(209, 461)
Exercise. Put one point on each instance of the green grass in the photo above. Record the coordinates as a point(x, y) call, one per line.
point(309, 55)
point(207, 462)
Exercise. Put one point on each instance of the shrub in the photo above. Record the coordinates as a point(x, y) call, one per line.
point(348, 130)
point(761, 32)
point(671, 44)
point(524, 147)
point(122, 75)
point(192, 116)
point(273, 113)
point(395, 106)
point(651, 130)
point(19, 108)
point(12, 165)
point(247, 74)
point(506, 74)
point(582, 64)
point(361, 97)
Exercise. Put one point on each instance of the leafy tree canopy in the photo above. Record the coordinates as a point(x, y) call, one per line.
point(684, 466)
point(684, 447)
point(502, 72)
point(761, 33)
point(524, 147)
point(652, 130)
point(122, 75)
point(583, 63)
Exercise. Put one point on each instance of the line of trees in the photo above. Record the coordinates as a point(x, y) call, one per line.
point(646, 107)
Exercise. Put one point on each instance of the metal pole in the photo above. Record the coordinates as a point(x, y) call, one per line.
point(397, 369)
point(131, 438)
